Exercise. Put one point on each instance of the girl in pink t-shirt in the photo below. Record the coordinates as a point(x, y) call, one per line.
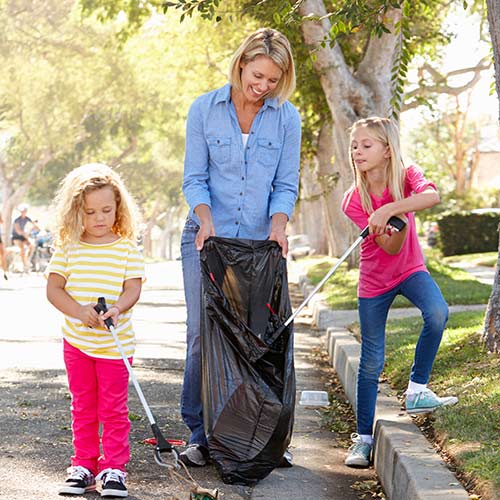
point(391, 263)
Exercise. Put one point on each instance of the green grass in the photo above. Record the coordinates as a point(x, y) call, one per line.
point(457, 286)
point(470, 431)
point(487, 259)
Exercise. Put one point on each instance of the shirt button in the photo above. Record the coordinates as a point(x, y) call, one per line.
point(241, 194)
point(236, 222)
point(248, 147)
point(243, 178)
point(239, 209)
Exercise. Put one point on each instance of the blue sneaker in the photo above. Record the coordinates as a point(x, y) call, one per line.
point(427, 402)
point(359, 453)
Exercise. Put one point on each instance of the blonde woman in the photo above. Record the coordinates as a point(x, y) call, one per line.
point(391, 264)
point(96, 255)
point(241, 178)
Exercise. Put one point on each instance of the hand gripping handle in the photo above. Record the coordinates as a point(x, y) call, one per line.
point(395, 222)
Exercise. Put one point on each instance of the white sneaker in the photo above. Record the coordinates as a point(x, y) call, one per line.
point(195, 455)
point(79, 481)
point(113, 483)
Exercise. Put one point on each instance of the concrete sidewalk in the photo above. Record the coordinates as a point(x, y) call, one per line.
point(406, 463)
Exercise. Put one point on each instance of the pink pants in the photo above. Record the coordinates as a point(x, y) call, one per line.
point(99, 392)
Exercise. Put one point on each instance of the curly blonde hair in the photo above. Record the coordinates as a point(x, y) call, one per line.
point(70, 201)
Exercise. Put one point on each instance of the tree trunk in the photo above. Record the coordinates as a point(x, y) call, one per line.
point(491, 333)
point(150, 223)
point(308, 217)
point(338, 228)
point(350, 97)
point(494, 22)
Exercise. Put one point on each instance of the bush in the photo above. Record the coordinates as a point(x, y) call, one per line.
point(468, 232)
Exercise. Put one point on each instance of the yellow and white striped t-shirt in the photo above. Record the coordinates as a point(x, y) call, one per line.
point(93, 271)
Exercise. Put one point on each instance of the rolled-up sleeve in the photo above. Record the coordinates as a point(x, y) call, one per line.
point(195, 182)
point(286, 180)
point(416, 180)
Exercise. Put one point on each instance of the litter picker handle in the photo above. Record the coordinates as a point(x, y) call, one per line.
point(101, 307)
point(162, 445)
point(395, 222)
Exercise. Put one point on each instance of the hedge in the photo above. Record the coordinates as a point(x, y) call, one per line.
point(467, 232)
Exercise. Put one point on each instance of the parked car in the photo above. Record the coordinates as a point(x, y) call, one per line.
point(299, 246)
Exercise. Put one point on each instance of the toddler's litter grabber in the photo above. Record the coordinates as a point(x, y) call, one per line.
point(396, 224)
point(162, 445)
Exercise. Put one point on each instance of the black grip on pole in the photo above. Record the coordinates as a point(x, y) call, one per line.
point(102, 307)
point(365, 232)
point(397, 223)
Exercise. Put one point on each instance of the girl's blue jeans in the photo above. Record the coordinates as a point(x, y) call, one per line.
point(191, 407)
point(422, 291)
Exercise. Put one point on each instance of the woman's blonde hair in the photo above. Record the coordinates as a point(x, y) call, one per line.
point(270, 43)
point(385, 131)
point(70, 202)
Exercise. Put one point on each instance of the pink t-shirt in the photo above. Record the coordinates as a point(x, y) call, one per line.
point(379, 272)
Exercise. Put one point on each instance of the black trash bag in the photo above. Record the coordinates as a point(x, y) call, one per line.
point(248, 388)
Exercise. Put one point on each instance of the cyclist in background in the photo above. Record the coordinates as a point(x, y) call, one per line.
point(3, 258)
point(20, 236)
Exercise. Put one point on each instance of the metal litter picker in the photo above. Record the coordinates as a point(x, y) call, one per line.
point(162, 445)
point(395, 223)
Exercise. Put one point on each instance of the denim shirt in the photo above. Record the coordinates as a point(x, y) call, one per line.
point(243, 185)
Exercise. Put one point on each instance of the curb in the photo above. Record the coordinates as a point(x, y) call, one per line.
point(406, 463)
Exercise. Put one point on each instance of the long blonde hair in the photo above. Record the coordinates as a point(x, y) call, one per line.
point(385, 131)
point(270, 43)
point(70, 201)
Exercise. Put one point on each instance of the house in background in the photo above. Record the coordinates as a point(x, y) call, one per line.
point(487, 171)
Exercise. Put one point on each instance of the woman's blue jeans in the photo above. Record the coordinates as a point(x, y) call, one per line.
point(422, 291)
point(191, 407)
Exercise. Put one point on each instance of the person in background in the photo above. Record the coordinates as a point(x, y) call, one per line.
point(3, 257)
point(241, 178)
point(95, 256)
point(20, 236)
point(391, 264)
